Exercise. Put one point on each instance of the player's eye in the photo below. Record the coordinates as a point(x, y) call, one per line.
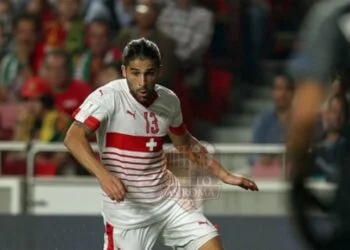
point(134, 73)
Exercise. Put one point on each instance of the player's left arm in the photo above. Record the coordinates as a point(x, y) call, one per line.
point(199, 155)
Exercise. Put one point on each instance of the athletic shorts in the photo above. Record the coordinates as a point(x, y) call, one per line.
point(179, 228)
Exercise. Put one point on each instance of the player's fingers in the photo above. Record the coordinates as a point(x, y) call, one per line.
point(118, 194)
point(255, 187)
point(244, 185)
point(112, 191)
point(122, 186)
point(119, 185)
point(109, 193)
point(250, 185)
point(121, 189)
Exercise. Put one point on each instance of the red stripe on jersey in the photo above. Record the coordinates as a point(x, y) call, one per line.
point(141, 174)
point(180, 130)
point(143, 186)
point(166, 195)
point(147, 192)
point(134, 143)
point(92, 123)
point(75, 112)
point(137, 169)
point(109, 232)
point(140, 180)
point(133, 156)
point(133, 163)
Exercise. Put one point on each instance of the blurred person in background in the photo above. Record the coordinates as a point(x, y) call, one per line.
point(221, 46)
point(94, 9)
point(333, 148)
point(255, 27)
point(323, 48)
point(271, 126)
point(99, 53)
point(22, 61)
point(6, 16)
point(39, 120)
point(191, 26)
point(146, 15)
point(108, 73)
point(4, 40)
point(58, 71)
point(66, 29)
point(41, 9)
point(119, 12)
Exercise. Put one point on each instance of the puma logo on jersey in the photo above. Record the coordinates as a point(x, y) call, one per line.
point(203, 222)
point(131, 113)
point(101, 92)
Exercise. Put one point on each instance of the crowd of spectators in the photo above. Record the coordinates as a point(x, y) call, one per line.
point(331, 138)
point(53, 53)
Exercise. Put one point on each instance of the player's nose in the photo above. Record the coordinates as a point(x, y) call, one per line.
point(142, 81)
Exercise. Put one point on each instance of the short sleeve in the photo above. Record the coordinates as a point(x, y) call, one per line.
point(95, 109)
point(177, 125)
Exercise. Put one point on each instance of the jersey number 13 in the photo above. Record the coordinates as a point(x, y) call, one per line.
point(151, 122)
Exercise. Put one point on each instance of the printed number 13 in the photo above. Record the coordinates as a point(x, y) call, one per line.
point(151, 122)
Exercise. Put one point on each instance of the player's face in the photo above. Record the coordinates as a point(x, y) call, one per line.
point(141, 75)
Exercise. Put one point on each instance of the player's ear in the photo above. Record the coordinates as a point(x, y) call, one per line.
point(124, 71)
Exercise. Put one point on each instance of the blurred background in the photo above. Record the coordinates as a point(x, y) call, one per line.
point(225, 59)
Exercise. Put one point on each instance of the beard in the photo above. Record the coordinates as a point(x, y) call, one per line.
point(142, 95)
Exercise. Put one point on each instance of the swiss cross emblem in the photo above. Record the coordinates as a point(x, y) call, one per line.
point(151, 144)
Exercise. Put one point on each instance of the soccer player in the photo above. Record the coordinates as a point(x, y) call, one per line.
point(130, 117)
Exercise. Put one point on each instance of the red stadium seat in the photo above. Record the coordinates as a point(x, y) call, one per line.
point(273, 171)
point(14, 167)
point(46, 168)
point(219, 86)
point(184, 95)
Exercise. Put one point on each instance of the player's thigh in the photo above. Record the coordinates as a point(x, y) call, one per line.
point(142, 238)
point(189, 230)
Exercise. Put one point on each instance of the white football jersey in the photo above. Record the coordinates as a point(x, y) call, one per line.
point(130, 138)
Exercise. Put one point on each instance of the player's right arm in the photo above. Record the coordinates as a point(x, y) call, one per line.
point(87, 120)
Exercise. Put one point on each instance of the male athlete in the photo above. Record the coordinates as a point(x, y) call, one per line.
point(130, 117)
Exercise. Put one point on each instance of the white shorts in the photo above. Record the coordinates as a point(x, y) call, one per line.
point(180, 229)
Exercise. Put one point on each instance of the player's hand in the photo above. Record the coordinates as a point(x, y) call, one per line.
point(113, 187)
point(240, 181)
